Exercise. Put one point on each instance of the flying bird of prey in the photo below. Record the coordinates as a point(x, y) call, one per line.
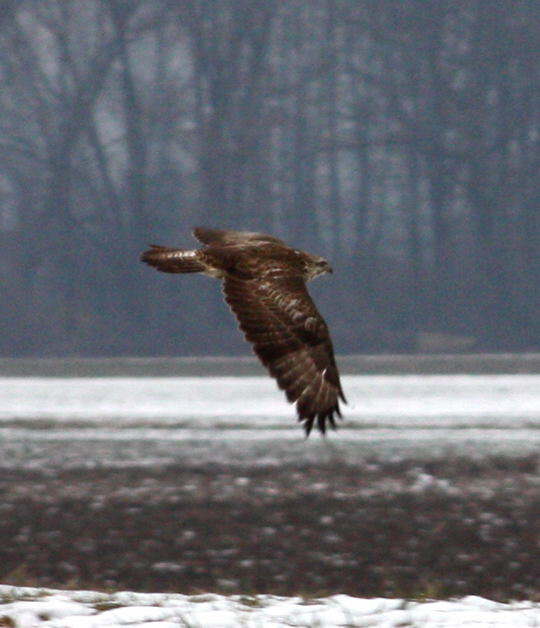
point(264, 282)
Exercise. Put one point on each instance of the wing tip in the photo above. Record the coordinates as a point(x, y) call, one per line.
point(206, 235)
point(323, 419)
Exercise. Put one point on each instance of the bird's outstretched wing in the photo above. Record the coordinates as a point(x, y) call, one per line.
point(291, 339)
point(224, 238)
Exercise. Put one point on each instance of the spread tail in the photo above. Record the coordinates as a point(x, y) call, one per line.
point(169, 260)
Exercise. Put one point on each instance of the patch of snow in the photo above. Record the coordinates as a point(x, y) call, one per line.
point(27, 607)
point(416, 400)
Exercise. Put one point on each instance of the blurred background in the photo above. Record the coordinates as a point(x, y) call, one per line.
point(400, 139)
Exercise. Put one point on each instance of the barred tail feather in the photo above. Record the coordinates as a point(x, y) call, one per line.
point(169, 260)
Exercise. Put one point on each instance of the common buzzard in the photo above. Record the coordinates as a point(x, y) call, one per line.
point(264, 282)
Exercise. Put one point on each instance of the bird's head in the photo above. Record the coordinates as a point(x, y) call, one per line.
point(318, 266)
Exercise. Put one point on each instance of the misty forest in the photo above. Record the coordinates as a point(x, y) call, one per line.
point(399, 138)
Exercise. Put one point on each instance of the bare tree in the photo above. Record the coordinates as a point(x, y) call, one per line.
point(401, 140)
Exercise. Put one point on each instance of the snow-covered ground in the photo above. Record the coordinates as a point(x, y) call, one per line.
point(70, 422)
point(22, 607)
point(382, 400)
point(49, 426)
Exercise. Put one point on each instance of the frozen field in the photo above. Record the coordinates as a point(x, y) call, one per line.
point(190, 485)
point(86, 422)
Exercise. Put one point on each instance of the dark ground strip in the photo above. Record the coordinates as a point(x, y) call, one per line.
point(406, 529)
point(245, 365)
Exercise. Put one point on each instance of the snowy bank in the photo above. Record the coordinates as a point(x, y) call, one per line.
point(25, 607)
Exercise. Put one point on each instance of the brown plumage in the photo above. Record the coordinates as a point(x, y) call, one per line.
point(264, 282)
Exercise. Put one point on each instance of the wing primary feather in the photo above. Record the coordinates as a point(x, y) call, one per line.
point(302, 363)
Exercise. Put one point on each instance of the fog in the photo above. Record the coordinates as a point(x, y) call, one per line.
point(400, 139)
